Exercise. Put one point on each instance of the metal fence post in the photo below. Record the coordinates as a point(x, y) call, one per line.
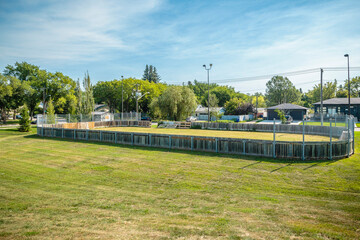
point(348, 128)
point(274, 141)
point(62, 133)
point(116, 137)
point(132, 139)
point(216, 145)
point(303, 143)
point(74, 133)
point(100, 136)
point(353, 134)
point(169, 141)
point(330, 152)
point(149, 139)
point(192, 143)
point(244, 147)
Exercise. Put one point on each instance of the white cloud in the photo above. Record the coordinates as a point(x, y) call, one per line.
point(71, 30)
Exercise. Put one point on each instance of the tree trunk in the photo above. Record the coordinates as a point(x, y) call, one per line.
point(14, 114)
point(3, 115)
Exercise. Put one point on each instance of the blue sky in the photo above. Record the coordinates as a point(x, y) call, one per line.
point(240, 38)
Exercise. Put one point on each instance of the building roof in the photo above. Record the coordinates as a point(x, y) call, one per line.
point(339, 101)
point(201, 109)
point(287, 106)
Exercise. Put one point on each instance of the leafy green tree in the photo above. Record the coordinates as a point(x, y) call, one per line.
point(5, 95)
point(261, 103)
point(12, 92)
point(151, 75)
point(223, 94)
point(281, 115)
point(110, 93)
point(354, 86)
point(232, 106)
point(281, 90)
point(23, 71)
point(25, 120)
point(175, 103)
point(201, 90)
point(329, 91)
point(238, 106)
point(42, 83)
point(50, 112)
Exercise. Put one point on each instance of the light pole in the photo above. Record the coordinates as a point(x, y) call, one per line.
point(138, 96)
point(321, 97)
point(349, 112)
point(122, 98)
point(208, 69)
point(347, 56)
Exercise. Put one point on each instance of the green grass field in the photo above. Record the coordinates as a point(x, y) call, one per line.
point(64, 189)
point(9, 122)
point(218, 133)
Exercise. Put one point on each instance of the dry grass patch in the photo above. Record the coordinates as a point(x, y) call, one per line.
point(219, 133)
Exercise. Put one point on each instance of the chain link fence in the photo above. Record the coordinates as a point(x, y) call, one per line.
point(100, 117)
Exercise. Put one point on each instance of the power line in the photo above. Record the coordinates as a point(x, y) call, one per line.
point(286, 74)
point(299, 84)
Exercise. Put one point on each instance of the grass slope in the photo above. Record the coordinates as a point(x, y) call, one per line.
point(218, 133)
point(54, 188)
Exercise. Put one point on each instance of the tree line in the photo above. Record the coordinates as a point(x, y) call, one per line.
point(24, 84)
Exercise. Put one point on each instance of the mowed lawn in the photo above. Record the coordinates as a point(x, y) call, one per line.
point(64, 189)
point(218, 133)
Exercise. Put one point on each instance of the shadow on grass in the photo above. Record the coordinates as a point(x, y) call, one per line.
point(277, 169)
point(195, 153)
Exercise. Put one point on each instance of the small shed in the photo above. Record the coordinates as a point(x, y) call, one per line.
point(295, 111)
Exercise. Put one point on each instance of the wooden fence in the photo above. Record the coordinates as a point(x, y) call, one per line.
point(263, 148)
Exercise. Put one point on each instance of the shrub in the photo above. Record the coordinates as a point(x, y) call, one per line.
point(281, 115)
point(195, 127)
point(25, 120)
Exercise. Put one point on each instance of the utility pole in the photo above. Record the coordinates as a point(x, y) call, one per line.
point(122, 98)
point(256, 106)
point(44, 97)
point(321, 97)
point(208, 69)
point(137, 102)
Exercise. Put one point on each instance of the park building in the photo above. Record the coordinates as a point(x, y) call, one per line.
point(338, 107)
point(295, 111)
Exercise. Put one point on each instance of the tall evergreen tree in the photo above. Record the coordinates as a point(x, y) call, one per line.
point(79, 97)
point(88, 104)
point(50, 112)
point(25, 120)
point(146, 73)
point(150, 74)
